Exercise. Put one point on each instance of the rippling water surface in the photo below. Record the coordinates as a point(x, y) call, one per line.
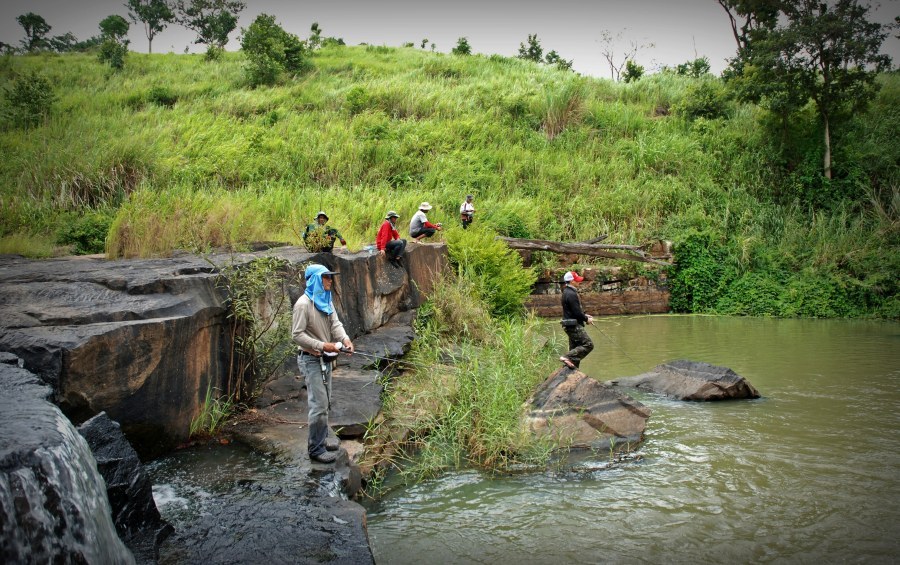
point(808, 473)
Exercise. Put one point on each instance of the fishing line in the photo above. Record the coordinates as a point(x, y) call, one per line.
point(625, 353)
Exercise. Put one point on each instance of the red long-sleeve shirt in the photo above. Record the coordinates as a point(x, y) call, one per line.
point(386, 233)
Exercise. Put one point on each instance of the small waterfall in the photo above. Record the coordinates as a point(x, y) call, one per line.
point(53, 503)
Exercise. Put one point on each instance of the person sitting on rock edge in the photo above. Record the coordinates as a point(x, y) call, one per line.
point(420, 227)
point(330, 234)
point(388, 240)
point(573, 321)
point(319, 334)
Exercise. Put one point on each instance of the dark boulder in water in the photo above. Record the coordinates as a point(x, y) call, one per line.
point(691, 380)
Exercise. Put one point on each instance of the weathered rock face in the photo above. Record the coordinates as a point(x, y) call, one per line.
point(578, 411)
point(142, 340)
point(53, 505)
point(128, 487)
point(692, 380)
point(604, 292)
point(370, 290)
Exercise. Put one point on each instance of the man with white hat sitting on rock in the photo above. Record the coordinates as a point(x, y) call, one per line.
point(420, 227)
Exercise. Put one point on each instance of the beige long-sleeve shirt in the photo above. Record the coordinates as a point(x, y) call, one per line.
point(311, 328)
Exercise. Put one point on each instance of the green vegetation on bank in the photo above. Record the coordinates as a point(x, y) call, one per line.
point(174, 151)
point(474, 363)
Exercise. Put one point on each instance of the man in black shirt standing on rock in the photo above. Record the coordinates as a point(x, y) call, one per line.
point(573, 322)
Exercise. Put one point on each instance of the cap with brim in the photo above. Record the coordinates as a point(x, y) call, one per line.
point(424, 206)
point(572, 276)
point(322, 274)
point(391, 214)
point(322, 213)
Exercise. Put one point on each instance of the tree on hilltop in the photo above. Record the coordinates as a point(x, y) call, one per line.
point(533, 51)
point(270, 51)
point(156, 15)
point(36, 28)
point(462, 47)
point(114, 46)
point(610, 50)
point(553, 58)
point(212, 20)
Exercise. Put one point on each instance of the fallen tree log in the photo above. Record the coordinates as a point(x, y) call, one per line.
point(607, 250)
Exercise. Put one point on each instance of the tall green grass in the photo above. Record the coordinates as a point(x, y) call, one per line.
point(188, 156)
point(463, 401)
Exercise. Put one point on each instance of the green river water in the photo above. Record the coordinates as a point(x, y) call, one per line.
point(809, 473)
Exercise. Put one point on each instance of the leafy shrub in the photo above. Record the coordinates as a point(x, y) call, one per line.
point(494, 269)
point(358, 99)
point(696, 68)
point(508, 223)
point(633, 71)
point(706, 99)
point(700, 274)
point(162, 96)
point(753, 294)
point(462, 47)
point(213, 54)
point(270, 50)
point(113, 53)
point(30, 100)
point(87, 234)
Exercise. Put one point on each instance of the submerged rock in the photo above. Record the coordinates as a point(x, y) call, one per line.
point(580, 412)
point(691, 380)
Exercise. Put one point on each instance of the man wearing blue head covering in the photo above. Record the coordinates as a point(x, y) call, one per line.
point(319, 335)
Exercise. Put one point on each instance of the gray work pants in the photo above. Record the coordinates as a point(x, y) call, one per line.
point(317, 399)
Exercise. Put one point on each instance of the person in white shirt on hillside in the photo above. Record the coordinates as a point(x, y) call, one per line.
point(467, 211)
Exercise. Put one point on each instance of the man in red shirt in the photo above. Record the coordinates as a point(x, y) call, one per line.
point(388, 240)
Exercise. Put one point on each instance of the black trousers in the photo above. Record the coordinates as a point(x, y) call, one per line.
point(580, 344)
point(427, 232)
point(394, 248)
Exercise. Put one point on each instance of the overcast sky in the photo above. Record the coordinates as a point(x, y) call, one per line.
point(679, 30)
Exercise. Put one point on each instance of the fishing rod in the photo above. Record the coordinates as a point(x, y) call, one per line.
point(381, 357)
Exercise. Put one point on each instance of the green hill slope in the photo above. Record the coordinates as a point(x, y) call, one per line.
point(175, 152)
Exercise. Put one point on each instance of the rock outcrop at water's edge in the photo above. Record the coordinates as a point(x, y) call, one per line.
point(579, 412)
point(142, 340)
point(691, 380)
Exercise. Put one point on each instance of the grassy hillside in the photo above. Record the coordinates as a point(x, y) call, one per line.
point(175, 152)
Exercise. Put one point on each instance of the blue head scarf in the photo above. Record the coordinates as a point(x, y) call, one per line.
point(315, 290)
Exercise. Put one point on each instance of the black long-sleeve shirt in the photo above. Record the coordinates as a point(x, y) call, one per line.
point(571, 305)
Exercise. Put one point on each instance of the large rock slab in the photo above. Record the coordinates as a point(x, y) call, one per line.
point(579, 412)
point(53, 505)
point(143, 340)
point(691, 380)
